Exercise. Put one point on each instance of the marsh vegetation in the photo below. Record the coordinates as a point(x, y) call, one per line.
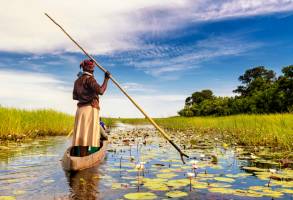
point(273, 130)
point(141, 165)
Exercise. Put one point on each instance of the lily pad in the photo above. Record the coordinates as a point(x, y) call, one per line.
point(223, 179)
point(272, 193)
point(288, 191)
point(167, 175)
point(238, 175)
point(176, 194)
point(165, 170)
point(199, 185)
point(286, 184)
point(156, 186)
point(257, 188)
point(221, 190)
point(7, 198)
point(254, 169)
point(140, 195)
point(118, 185)
point(252, 193)
point(220, 185)
point(177, 183)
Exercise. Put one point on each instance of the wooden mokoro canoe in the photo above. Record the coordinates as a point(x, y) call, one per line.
point(74, 163)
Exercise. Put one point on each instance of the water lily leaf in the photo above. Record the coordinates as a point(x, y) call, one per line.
point(221, 190)
point(288, 191)
point(7, 198)
point(252, 193)
point(176, 194)
point(287, 184)
point(242, 193)
point(240, 175)
point(199, 185)
point(254, 169)
point(116, 186)
point(140, 195)
point(156, 186)
point(167, 175)
point(177, 183)
point(272, 193)
point(131, 170)
point(219, 185)
point(257, 188)
point(223, 179)
point(165, 170)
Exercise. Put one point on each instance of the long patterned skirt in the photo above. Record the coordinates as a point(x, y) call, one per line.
point(86, 127)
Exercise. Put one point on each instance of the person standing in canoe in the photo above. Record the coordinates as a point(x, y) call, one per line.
point(86, 91)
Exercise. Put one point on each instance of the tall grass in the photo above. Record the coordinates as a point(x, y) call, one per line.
point(17, 123)
point(275, 130)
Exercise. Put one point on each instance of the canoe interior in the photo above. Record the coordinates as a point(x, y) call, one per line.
point(73, 163)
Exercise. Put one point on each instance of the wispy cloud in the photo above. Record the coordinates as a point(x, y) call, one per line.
point(172, 60)
point(105, 28)
point(137, 87)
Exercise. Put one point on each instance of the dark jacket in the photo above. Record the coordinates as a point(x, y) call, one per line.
point(87, 90)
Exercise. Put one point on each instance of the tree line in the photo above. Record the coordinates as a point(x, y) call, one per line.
point(260, 91)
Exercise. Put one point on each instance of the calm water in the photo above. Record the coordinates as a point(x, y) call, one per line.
point(32, 170)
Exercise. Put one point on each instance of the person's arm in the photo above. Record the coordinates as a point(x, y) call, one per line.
point(74, 93)
point(96, 87)
point(105, 83)
point(103, 134)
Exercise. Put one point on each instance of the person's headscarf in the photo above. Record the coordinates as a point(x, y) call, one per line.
point(87, 65)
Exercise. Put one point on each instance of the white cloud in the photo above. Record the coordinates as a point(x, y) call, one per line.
point(37, 90)
point(34, 90)
point(107, 26)
point(136, 87)
point(154, 105)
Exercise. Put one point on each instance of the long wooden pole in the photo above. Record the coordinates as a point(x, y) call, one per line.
point(165, 135)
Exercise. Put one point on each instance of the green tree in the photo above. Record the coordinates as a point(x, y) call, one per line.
point(285, 86)
point(255, 79)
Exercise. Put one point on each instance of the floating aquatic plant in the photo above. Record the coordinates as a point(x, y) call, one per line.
point(176, 194)
point(140, 195)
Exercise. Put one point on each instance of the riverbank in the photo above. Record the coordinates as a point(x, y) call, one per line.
point(273, 130)
point(18, 124)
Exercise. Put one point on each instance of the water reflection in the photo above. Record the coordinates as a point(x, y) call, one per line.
point(84, 184)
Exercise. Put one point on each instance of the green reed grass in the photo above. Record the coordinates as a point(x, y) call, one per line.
point(275, 130)
point(18, 123)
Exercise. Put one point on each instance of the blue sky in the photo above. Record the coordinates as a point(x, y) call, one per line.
point(159, 52)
